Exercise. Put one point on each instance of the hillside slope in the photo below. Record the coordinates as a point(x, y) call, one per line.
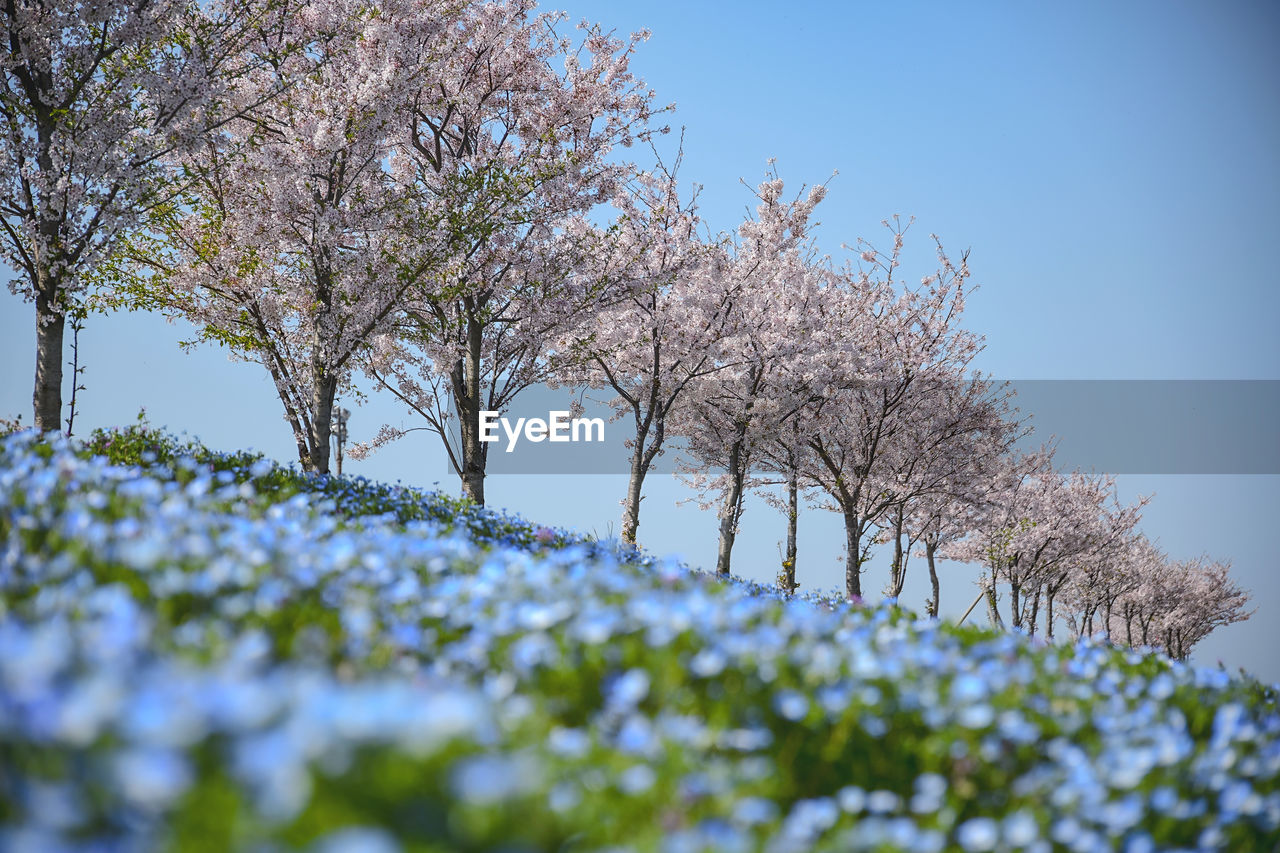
point(205, 651)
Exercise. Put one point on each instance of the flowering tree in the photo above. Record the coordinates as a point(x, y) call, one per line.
point(1208, 599)
point(659, 337)
point(1103, 540)
point(1040, 533)
point(1174, 604)
point(1010, 510)
point(1096, 583)
point(1147, 596)
point(514, 152)
point(503, 335)
point(780, 459)
point(859, 435)
point(93, 95)
point(289, 248)
point(942, 517)
point(946, 457)
point(778, 333)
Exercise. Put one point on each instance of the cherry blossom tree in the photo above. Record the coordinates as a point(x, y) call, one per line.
point(1010, 510)
point(512, 137)
point(94, 95)
point(547, 290)
point(1042, 531)
point(659, 337)
point(1174, 604)
point(946, 450)
point(946, 457)
point(290, 246)
point(778, 334)
point(1095, 584)
point(1104, 540)
point(942, 517)
point(780, 460)
point(1146, 597)
point(911, 342)
point(1207, 599)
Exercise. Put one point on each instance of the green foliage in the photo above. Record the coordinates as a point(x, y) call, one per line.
point(691, 700)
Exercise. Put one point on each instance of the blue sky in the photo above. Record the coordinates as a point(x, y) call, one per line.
point(1113, 168)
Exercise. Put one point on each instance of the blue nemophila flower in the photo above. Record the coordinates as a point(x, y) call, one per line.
point(637, 737)
point(357, 839)
point(636, 779)
point(968, 688)
point(152, 777)
point(978, 834)
point(746, 740)
point(852, 799)
point(883, 802)
point(628, 689)
point(489, 779)
point(707, 663)
point(930, 793)
point(754, 810)
point(572, 743)
point(791, 705)
point(1020, 829)
point(810, 818)
point(977, 716)
point(564, 796)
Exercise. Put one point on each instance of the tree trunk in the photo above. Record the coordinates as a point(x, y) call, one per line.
point(464, 380)
point(1048, 613)
point(641, 461)
point(793, 517)
point(852, 555)
point(993, 606)
point(631, 507)
point(51, 321)
point(731, 511)
point(1015, 604)
point(323, 389)
point(1035, 610)
point(323, 383)
point(899, 574)
point(930, 549)
point(51, 315)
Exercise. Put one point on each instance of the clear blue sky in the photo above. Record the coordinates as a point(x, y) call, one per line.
point(1113, 167)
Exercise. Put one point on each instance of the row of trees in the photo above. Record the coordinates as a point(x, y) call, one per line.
point(410, 190)
point(1053, 540)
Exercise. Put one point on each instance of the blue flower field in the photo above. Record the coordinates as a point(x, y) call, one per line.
point(202, 651)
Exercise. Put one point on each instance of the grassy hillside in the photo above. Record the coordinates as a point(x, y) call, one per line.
point(202, 651)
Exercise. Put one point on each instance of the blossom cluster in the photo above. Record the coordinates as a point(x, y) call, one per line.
point(188, 650)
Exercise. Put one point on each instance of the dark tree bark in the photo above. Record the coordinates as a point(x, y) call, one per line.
point(731, 510)
point(465, 381)
point(793, 518)
point(930, 552)
point(993, 606)
point(642, 455)
point(898, 575)
point(51, 322)
point(852, 553)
